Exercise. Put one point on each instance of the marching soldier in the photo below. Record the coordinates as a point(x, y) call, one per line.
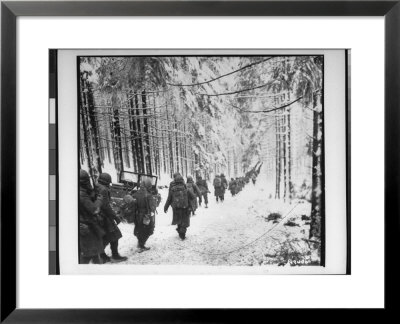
point(218, 189)
point(224, 185)
point(110, 219)
point(144, 207)
point(203, 187)
point(232, 187)
point(253, 178)
point(179, 197)
point(238, 185)
point(90, 232)
point(192, 187)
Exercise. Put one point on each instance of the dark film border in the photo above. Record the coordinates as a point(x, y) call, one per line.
point(348, 160)
point(54, 262)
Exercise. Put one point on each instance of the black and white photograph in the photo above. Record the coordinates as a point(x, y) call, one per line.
point(201, 160)
point(170, 165)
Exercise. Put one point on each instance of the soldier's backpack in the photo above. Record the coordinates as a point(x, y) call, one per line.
point(154, 202)
point(156, 196)
point(179, 196)
point(217, 182)
point(190, 188)
point(202, 186)
point(157, 199)
point(128, 209)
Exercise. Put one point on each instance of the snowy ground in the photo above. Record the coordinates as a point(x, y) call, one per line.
point(235, 232)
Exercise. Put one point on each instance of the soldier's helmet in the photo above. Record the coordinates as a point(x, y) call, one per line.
point(83, 175)
point(189, 178)
point(84, 180)
point(176, 174)
point(128, 199)
point(146, 183)
point(104, 179)
point(179, 179)
point(222, 175)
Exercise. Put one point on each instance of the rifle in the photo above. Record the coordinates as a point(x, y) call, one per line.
point(191, 208)
point(152, 214)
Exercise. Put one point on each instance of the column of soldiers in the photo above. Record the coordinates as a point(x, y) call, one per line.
point(98, 223)
point(236, 185)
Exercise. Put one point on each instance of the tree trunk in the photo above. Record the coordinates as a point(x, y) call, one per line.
point(177, 145)
point(184, 143)
point(147, 152)
point(139, 136)
point(86, 137)
point(94, 127)
point(163, 150)
point(157, 150)
point(278, 157)
point(284, 149)
point(177, 157)
point(289, 146)
point(170, 139)
point(316, 190)
point(133, 133)
point(117, 132)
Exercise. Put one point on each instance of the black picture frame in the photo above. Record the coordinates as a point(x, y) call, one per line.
point(10, 10)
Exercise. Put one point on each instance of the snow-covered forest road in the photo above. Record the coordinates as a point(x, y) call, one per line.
point(233, 225)
point(205, 116)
